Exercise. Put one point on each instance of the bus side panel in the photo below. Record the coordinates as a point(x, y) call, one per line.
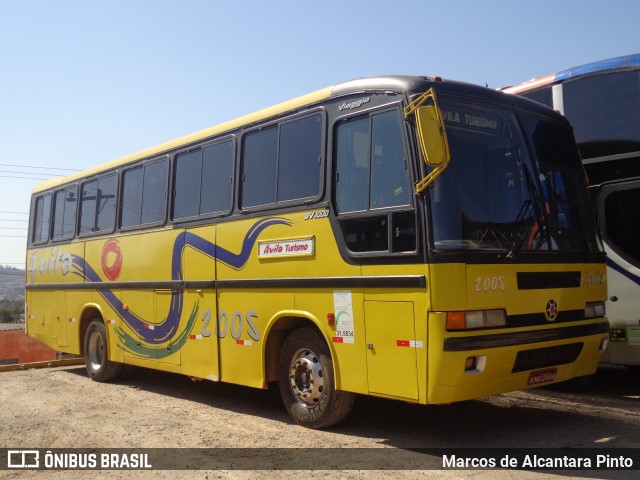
point(622, 310)
point(244, 312)
point(48, 318)
point(261, 252)
point(242, 321)
point(43, 318)
point(200, 356)
point(154, 322)
point(396, 331)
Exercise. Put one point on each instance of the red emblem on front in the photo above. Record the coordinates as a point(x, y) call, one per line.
point(551, 312)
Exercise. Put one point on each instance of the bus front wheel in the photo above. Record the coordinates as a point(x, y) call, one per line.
point(306, 381)
point(96, 354)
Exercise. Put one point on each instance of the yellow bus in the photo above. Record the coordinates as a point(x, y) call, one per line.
point(368, 238)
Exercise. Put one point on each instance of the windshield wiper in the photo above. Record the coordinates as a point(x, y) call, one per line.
point(518, 239)
point(532, 208)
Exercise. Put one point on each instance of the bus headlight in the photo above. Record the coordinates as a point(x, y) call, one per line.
point(476, 319)
point(594, 310)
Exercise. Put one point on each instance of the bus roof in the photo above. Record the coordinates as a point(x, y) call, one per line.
point(391, 83)
point(193, 137)
point(617, 63)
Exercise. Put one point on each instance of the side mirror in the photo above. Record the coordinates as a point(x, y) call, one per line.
point(432, 135)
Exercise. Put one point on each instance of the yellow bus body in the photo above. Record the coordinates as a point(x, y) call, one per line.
point(218, 300)
point(224, 333)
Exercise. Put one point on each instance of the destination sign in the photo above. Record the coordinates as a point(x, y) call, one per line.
point(472, 119)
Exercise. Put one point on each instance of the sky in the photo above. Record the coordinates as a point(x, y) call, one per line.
point(84, 82)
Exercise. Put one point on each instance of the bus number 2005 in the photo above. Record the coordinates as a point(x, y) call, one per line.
point(489, 284)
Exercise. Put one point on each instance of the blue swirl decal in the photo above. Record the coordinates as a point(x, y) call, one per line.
point(166, 330)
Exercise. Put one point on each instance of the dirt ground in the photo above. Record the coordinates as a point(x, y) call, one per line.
point(62, 408)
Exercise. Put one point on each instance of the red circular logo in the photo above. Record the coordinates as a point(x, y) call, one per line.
point(111, 259)
point(551, 311)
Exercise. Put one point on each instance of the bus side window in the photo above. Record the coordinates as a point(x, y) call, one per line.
point(131, 197)
point(217, 178)
point(259, 167)
point(98, 205)
point(154, 192)
point(144, 194)
point(282, 162)
point(621, 223)
point(299, 159)
point(371, 179)
point(64, 214)
point(42, 219)
point(352, 166)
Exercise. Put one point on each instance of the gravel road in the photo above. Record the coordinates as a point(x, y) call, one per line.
point(62, 408)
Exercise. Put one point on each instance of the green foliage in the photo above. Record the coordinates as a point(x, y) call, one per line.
point(11, 311)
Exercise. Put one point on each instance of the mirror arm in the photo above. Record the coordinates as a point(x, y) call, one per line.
point(417, 103)
point(430, 178)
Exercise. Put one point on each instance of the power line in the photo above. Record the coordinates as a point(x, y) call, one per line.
point(40, 168)
point(16, 213)
point(43, 175)
point(13, 236)
point(12, 228)
point(12, 219)
point(29, 178)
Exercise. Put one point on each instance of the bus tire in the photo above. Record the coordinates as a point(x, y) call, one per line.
point(307, 384)
point(96, 354)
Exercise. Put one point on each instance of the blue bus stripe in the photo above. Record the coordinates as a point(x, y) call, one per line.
point(613, 265)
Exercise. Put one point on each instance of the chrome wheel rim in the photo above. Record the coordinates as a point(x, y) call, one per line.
point(306, 378)
point(96, 351)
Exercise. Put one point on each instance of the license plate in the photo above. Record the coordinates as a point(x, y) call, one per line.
point(542, 376)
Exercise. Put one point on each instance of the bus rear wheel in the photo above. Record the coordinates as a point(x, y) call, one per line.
point(306, 381)
point(96, 354)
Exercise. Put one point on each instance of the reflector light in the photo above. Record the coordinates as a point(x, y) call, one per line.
point(594, 310)
point(456, 321)
point(476, 319)
point(470, 364)
point(603, 345)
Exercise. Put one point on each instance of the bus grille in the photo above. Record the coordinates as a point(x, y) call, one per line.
point(527, 319)
point(546, 280)
point(546, 357)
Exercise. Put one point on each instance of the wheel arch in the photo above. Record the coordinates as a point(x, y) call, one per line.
point(90, 312)
point(277, 331)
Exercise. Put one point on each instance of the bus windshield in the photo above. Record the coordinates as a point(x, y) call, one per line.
point(513, 185)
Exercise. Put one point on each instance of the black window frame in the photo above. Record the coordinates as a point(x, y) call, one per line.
point(321, 112)
point(121, 200)
point(64, 191)
point(390, 215)
point(97, 178)
point(232, 183)
point(38, 224)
